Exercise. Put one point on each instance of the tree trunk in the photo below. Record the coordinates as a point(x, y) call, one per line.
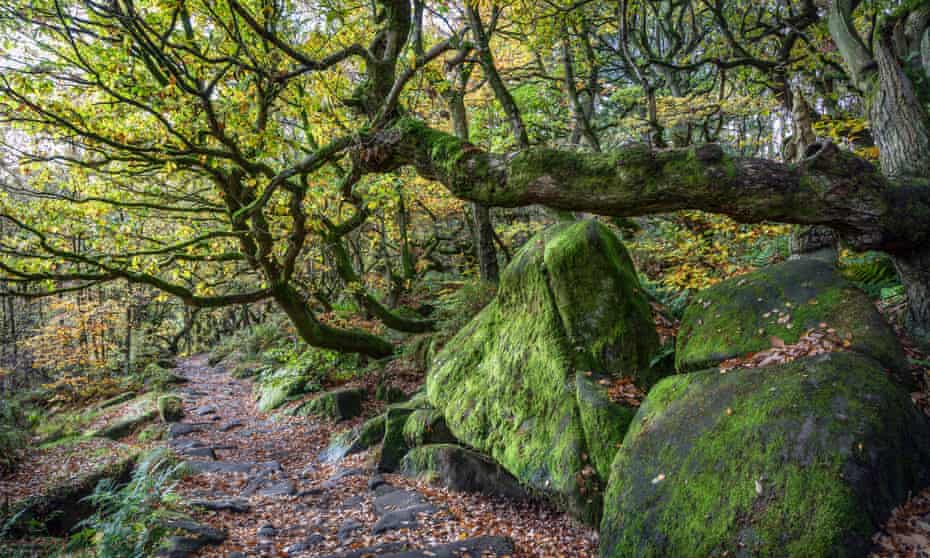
point(485, 252)
point(914, 272)
point(484, 247)
point(321, 335)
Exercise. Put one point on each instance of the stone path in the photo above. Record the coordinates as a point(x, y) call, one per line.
point(259, 484)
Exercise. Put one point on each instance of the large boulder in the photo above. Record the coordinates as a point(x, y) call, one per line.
point(742, 315)
point(277, 387)
point(805, 459)
point(461, 470)
point(569, 302)
point(338, 404)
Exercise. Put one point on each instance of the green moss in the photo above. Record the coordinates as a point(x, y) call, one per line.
point(602, 420)
point(426, 426)
point(279, 386)
point(741, 315)
point(801, 460)
point(568, 302)
point(394, 446)
point(338, 404)
point(170, 408)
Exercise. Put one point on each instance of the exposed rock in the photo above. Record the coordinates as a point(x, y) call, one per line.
point(178, 429)
point(223, 504)
point(462, 470)
point(802, 459)
point(379, 550)
point(486, 546)
point(267, 531)
point(229, 425)
point(338, 404)
point(348, 528)
point(742, 315)
point(569, 301)
point(203, 532)
point(397, 500)
point(170, 408)
point(309, 543)
point(402, 519)
point(205, 410)
point(355, 440)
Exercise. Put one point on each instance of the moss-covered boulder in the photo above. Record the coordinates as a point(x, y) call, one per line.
point(354, 440)
point(337, 404)
point(125, 426)
point(394, 445)
point(569, 302)
point(275, 388)
point(461, 469)
point(805, 459)
point(170, 408)
point(741, 315)
point(427, 426)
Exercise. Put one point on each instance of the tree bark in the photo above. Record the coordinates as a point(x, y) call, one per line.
point(484, 247)
point(321, 335)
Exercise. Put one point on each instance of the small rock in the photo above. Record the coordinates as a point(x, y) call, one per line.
point(233, 505)
point(347, 529)
point(309, 543)
point(334, 480)
point(281, 488)
point(200, 452)
point(204, 411)
point(178, 429)
point(402, 519)
point(229, 425)
point(209, 534)
point(375, 481)
point(267, 531)
point(397, 500)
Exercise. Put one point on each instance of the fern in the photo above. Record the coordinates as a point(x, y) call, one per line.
point(130, 520)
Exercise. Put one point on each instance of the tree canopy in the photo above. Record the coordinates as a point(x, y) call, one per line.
point(215, 150)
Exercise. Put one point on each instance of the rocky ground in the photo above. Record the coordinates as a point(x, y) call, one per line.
point(260, 486)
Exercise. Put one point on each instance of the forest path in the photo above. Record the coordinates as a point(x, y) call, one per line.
point(259, 480)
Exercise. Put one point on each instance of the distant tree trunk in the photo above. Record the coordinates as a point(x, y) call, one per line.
point(127, 342)
point(485, 250)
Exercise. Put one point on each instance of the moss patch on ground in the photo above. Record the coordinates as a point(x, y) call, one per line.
point(506, 383)
point(805, 459)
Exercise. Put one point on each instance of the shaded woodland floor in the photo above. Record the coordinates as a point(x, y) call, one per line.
point(321, 508)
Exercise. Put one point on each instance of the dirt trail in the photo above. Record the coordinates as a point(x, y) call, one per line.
point(263, 485)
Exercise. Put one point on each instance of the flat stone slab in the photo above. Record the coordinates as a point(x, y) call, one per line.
point(278, 489)
point(233, 505)
point(380, 550)
point(402, 519)
point(478, 546)
point(210, 534)
point(178, 429)
point(231, 466)
point(204, 411)
point(227, 426)
point(397, 500)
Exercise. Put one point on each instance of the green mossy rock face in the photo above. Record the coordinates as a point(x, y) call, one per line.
point(460, 469)
point(805, 459)
point(738, 316)
point(278, 387)
point(338, 404)
point(427, 426)
point(506, 383)
point(394, 446)
point(170, 408)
